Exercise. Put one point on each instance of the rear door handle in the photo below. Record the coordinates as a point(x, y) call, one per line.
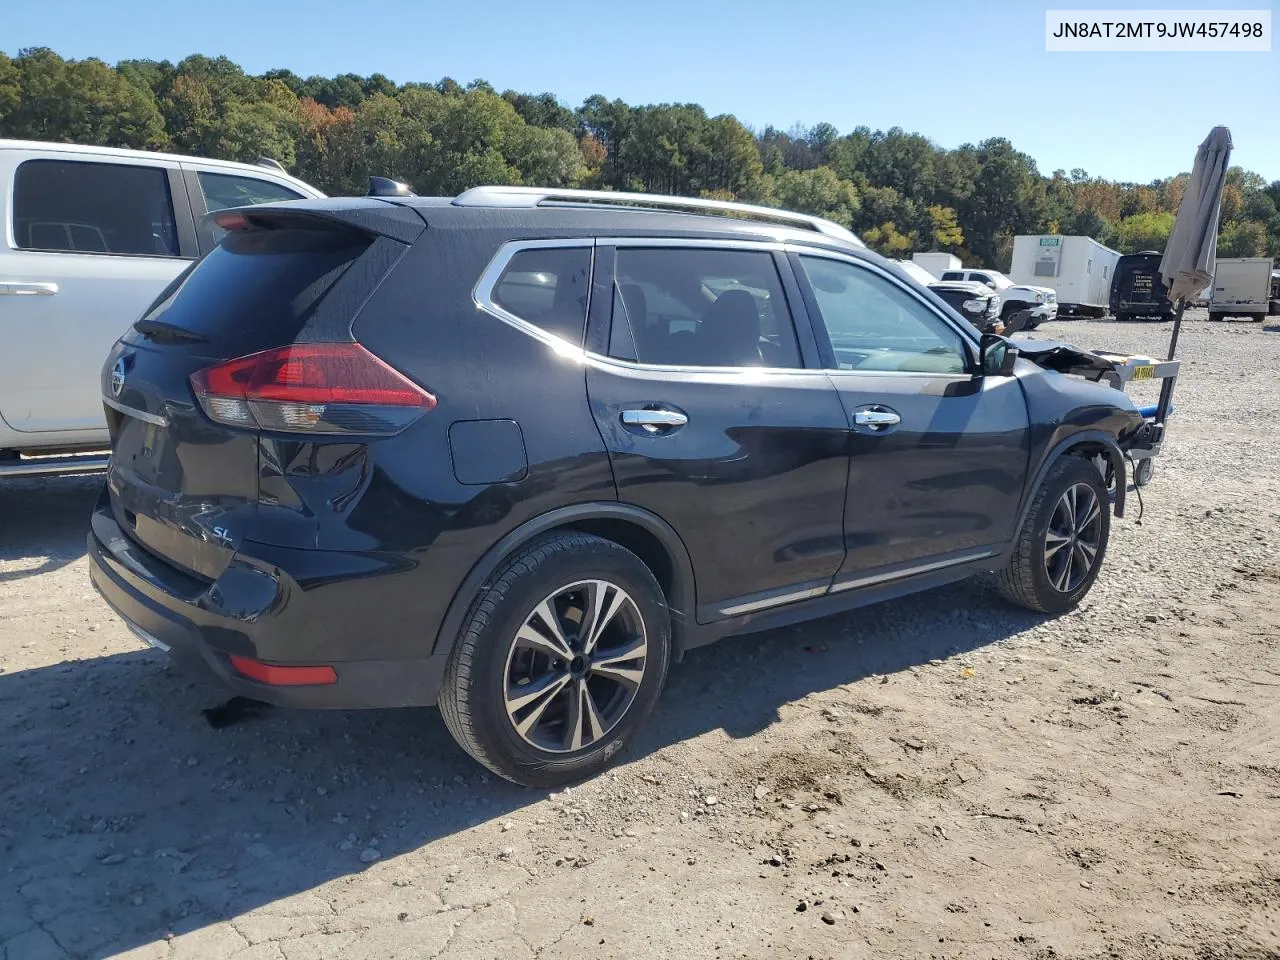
point(876, 417)
point(654, 421)
point(22, 288)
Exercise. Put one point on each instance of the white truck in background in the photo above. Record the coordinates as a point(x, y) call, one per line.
point(936, 263)
point(1241, 288)
point(1078, 269)
point(916, 272)
point(88, 237)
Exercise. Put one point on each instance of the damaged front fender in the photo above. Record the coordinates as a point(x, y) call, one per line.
point(1074, 407)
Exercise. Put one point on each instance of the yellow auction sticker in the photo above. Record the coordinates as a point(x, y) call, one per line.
point(1144, 372)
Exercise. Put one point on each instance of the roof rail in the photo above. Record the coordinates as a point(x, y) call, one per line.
point(501, 196)
point(270, 163)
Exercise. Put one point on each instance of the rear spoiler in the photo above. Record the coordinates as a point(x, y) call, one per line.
point(367, 214)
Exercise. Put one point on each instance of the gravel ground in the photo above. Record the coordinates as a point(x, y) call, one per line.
point(939, 777)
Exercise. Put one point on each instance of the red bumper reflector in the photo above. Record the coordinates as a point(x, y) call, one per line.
point(282, 676)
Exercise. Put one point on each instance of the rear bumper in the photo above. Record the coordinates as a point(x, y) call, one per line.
point(1142, 307)
point(245, 612)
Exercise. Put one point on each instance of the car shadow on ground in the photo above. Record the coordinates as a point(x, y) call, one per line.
point(129, 816)
point(45, 520)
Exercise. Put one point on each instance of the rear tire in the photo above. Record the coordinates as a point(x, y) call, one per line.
point(1123, 317)
point(1215, 317)
point(597, 687)
point(1063, 540)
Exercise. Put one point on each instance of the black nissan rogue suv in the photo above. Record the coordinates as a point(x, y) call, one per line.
point(514, 452)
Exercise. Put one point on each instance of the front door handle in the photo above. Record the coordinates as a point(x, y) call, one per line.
point(654, 421)
point(22, 288)
point(876, 417)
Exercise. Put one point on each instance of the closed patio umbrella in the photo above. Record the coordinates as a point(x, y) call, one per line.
point(1190, 256)
point(1188, 264)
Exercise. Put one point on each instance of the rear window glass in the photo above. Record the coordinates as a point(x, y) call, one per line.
point(222, 190)
point(259, 286)
point(952, 275)
point(74, 207)
point(701, 307)
point(547, 286)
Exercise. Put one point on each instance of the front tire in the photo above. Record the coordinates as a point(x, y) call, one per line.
point(560, 661)
point(1144, 471)
point(1063, 540)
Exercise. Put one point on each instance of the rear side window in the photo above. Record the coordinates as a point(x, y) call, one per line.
point(547, 286)
point(953, 275)
point(705, 308)
point(223, 190)
point(74, 207)
point(257, 288)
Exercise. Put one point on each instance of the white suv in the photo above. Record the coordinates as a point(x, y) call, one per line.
point(91, 235)
point(1041, 301)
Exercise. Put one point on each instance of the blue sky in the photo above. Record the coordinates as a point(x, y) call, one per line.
point(956, 71)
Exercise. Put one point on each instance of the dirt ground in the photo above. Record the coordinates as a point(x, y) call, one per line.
point(939, 777)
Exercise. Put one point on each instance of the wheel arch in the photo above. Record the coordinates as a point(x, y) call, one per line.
point(645, 534)
point(1084, 443)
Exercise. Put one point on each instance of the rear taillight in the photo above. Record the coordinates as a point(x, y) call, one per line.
point(333, 388)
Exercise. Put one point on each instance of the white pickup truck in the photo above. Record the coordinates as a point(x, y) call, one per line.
point(1041, 301)
point(91, 235)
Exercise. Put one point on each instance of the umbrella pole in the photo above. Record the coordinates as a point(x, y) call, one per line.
point(1177, 327)
point(1166, 387)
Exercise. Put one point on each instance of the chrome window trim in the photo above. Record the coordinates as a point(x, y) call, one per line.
point(967, 333)
point(775, 245)
point(152, 418)
point(482, 297)
point(482, 293)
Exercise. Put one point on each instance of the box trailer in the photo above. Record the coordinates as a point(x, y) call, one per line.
point(1079, 268)
point(936, 263)
point(1241, 288)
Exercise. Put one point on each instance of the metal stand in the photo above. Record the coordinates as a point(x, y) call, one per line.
point(1166, 388)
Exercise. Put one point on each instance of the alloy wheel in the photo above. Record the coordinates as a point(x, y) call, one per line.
point(1073, 538)
point(575, 666)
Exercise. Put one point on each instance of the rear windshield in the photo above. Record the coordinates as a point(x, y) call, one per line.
point(257, 289)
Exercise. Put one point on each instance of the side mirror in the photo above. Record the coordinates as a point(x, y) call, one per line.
point(997, 355)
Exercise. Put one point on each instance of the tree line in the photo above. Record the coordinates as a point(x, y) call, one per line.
point(899, 191)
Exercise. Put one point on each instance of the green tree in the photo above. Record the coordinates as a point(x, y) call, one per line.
point(1000, 205)
point(81, 101)
point(819, 192)
point(10, 90)
point(1242, 238)
point(1258, 205)
point(1144, 231)
point(944, 228)
point(887, 240)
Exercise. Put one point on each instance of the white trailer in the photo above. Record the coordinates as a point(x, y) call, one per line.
point(1079, 268)
point(936, 263)
point(1241, 288)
